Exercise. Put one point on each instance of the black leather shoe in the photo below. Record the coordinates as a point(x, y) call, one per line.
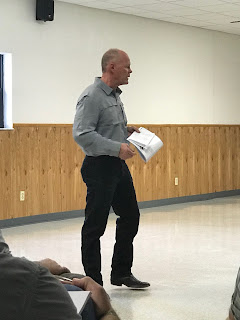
point(129, 281)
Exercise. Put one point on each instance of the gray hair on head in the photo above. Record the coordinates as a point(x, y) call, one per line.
point(110, 55)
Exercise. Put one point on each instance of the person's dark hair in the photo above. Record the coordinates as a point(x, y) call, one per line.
point(110, 55)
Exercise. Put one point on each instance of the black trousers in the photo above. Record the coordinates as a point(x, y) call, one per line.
point(109, 183)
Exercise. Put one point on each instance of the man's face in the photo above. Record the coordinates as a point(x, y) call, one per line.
point(122, 69)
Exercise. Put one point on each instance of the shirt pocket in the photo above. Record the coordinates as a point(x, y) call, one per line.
point(112, 114)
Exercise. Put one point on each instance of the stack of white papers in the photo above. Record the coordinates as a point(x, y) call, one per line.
point(146, 142)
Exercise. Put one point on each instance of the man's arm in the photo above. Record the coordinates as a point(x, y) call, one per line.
point(52, 266)
point(50, 299)
point(110, 315)
point(84, 130)
point(104, 310)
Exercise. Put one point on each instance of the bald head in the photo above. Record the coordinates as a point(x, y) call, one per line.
point(115, 68)
point(112, 55)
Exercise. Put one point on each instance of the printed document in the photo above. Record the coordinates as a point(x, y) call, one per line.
point(146, 142)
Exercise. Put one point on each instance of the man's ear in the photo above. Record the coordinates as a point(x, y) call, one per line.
point(111, 66)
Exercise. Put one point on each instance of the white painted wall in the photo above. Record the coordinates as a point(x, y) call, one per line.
point(180, 74)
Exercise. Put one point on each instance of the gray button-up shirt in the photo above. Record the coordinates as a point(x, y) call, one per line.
point(100, 124)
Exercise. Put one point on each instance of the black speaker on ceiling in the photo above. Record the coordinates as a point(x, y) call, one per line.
point(45, 10)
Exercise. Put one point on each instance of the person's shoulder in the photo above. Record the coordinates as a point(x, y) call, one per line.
point(17, 272)
point(95, 89)
point(93, 96)
point(91, 92)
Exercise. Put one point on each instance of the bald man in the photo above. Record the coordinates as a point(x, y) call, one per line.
point(100, 129)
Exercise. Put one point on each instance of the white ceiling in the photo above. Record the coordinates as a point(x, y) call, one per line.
point(208, 14)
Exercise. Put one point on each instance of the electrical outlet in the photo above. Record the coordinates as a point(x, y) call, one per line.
point(22, 195)
point(176, 181)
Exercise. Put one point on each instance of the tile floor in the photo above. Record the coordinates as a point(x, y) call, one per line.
point(190, 253)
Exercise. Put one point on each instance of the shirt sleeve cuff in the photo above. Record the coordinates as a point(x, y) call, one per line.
point(114, 152)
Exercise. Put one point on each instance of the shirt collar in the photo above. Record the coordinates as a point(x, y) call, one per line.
point(106, 88)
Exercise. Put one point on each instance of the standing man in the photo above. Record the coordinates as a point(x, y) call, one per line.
point(100, 129)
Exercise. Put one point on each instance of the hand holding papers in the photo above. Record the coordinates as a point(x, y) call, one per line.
point(146, 142)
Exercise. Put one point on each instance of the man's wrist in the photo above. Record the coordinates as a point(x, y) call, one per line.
point(110, 315)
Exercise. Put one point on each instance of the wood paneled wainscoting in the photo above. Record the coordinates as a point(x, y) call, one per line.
point(44, 161)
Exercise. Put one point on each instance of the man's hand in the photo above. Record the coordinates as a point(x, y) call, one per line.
point(99, 295)
point(53, 266)
point(126, 152)
point(132, 129)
